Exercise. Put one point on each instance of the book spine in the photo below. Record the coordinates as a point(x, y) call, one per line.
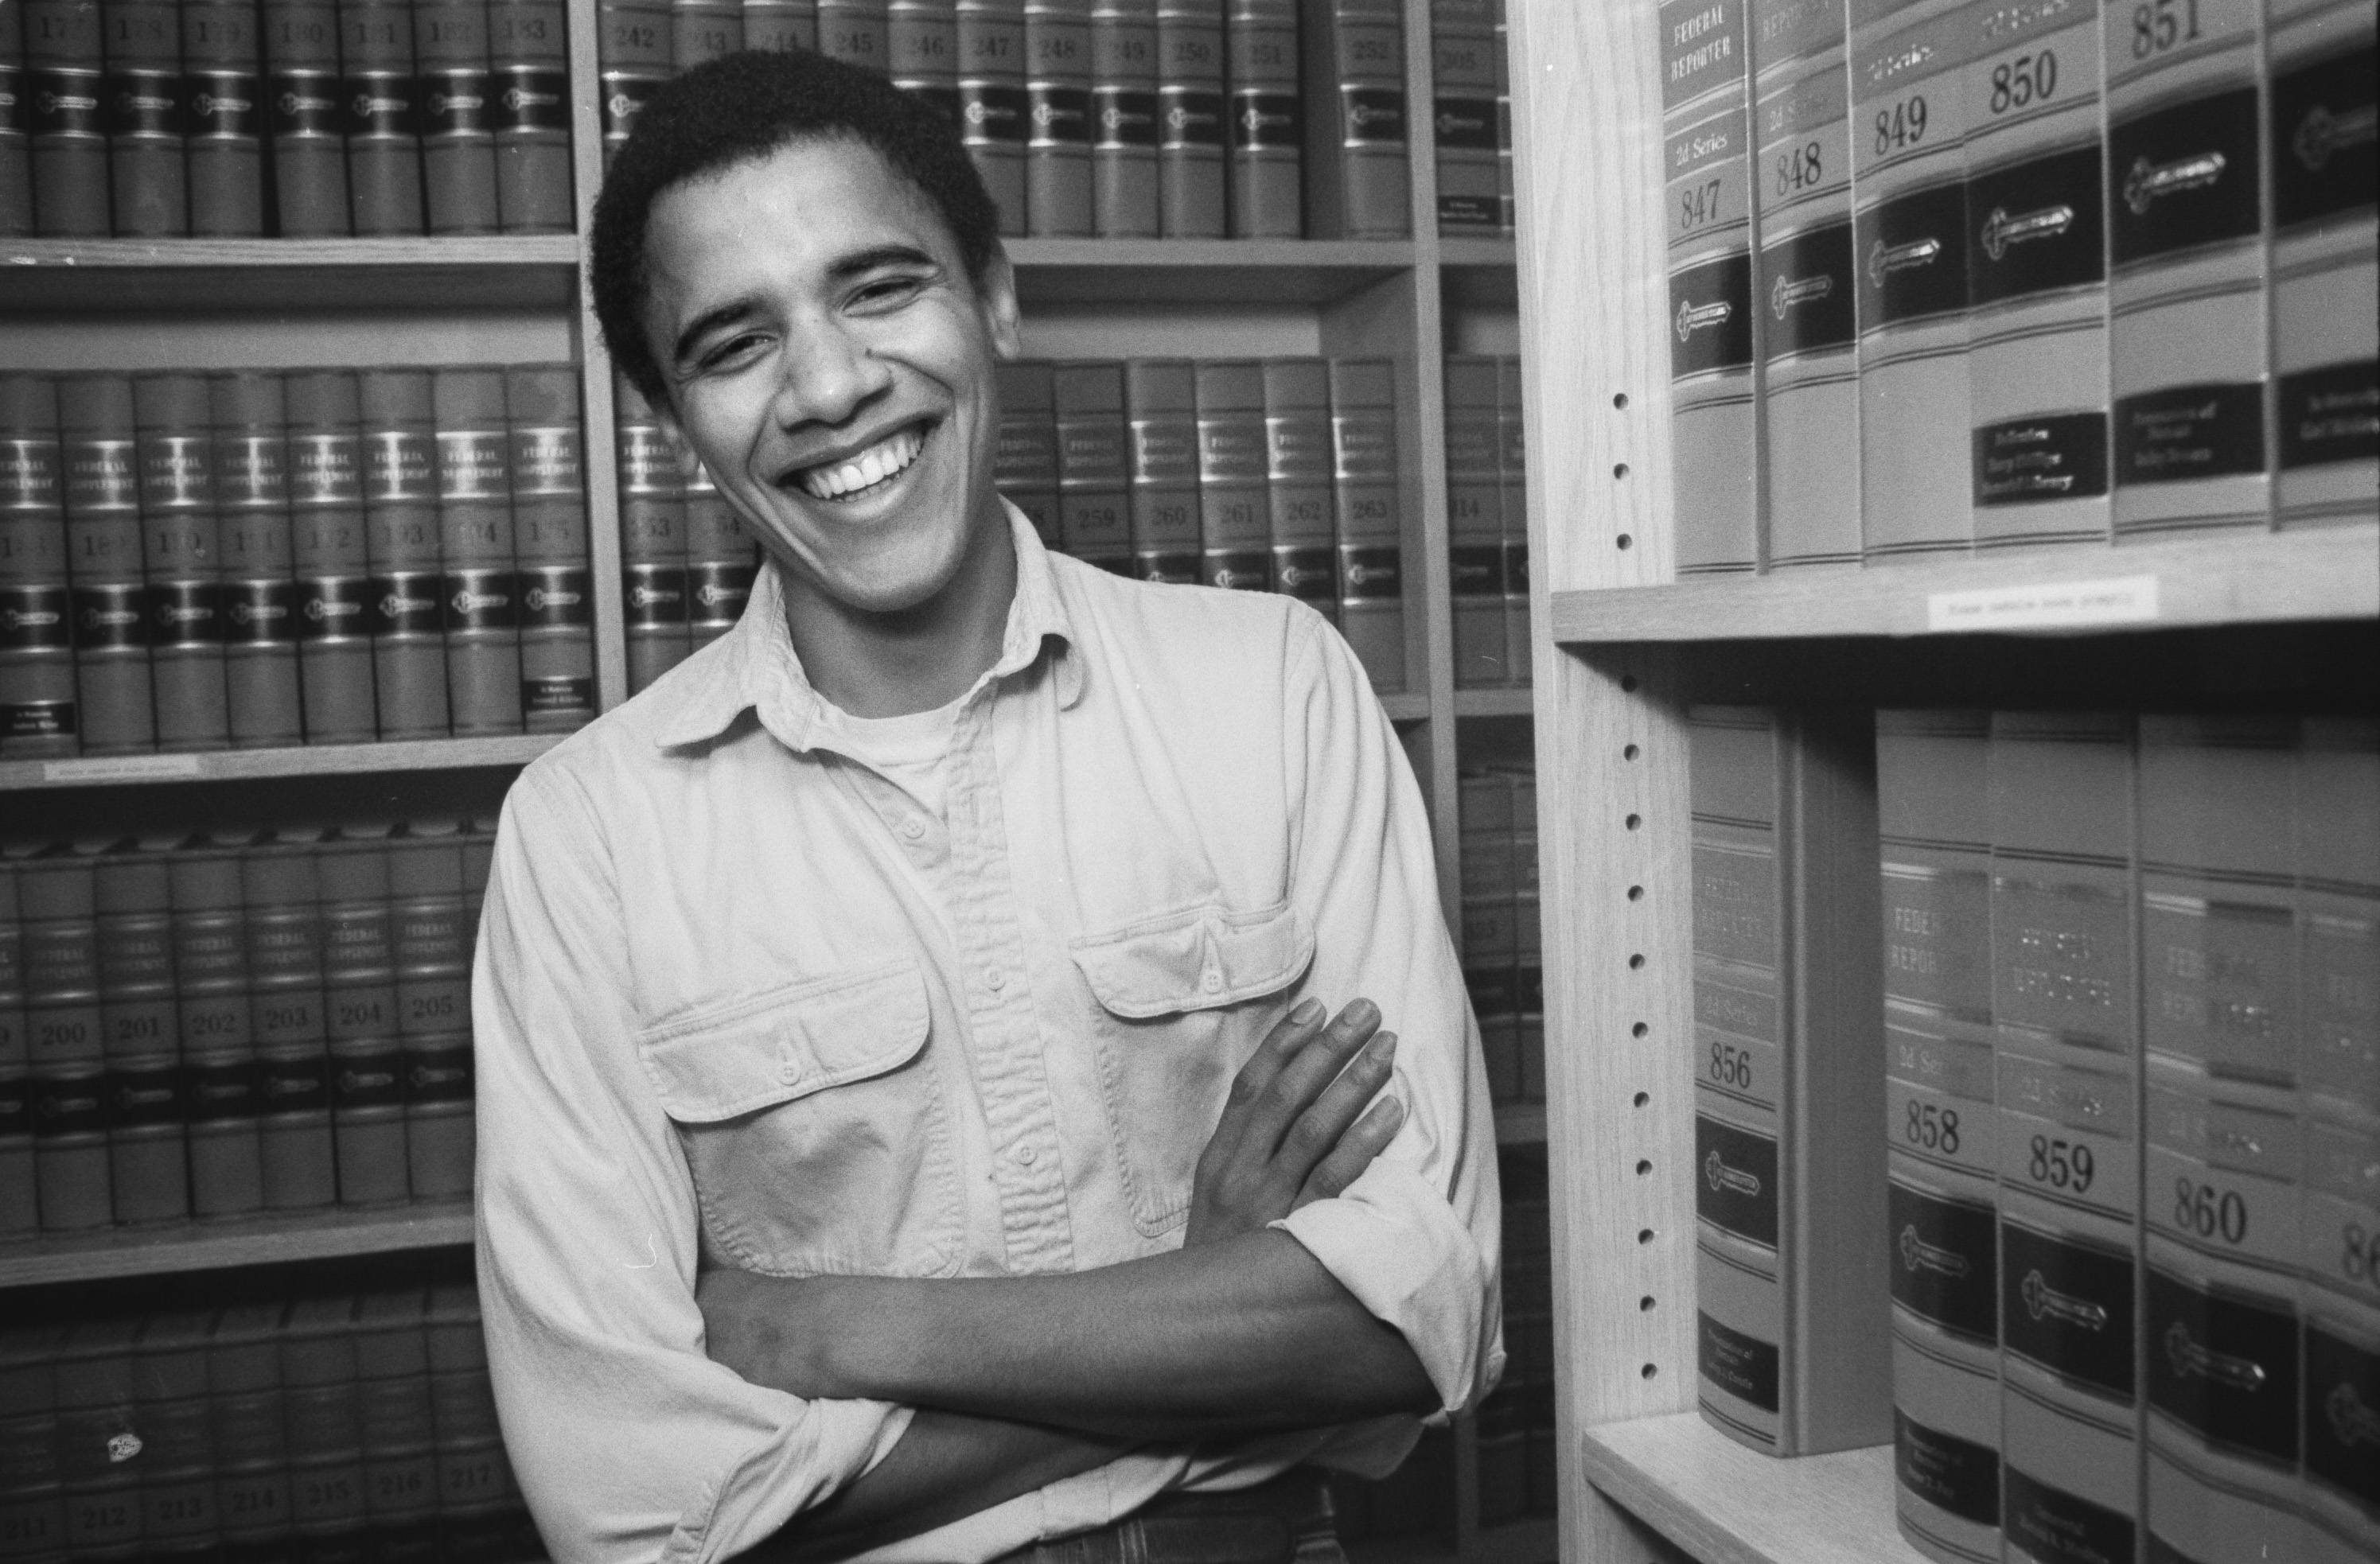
point(1268, 121)
point(216, 1015)
point(134, 930)
point(2065, 1025)
point(1235, 504)
point(853, 31)
point(1370, 519)
point(178, 1508)
point(95, 1402)
point(21, 1213)
point(995, 114)
point(703, 30)
point(16, 122)
point(1506, 224)
point(1297, 481)
point(780, 25)
point(1190, 119)
point(1058, 149)
point(1528, 946)
point(633, 56)
point(1942, 1198)
point(111, 603)
point(1463, 87)
point(2338, 877)
point(556, 588)
point(223, 86)
point(1474, 521)
point(1025, 465)
point(146, 117)
point(457, 116)
point(260, 589)
point(531, 93)
point(67, 1062)
point(1489, 948)
point(921, 48)
point(721, 563)
point(1512, 504)
point(307, 99)
point(2037, 278)
point(1161, 397)
point(399, 1437)
point(400, 486)
point(360, 1006)
point(1706, 121)
point(476, 542)
point(2324, 259)
point(472, 1477)
point(331, 557)
point(652, 538)
point(383, 103)
point(1124, 107)
point(38, 715)
point(252, 1447)
point(1809, 368)
point(2221, 1196)
point(1358, 145)
point(323, 1416)
point(66, 93)
point(182, 545)
point(285, 968)
point(1094, 470)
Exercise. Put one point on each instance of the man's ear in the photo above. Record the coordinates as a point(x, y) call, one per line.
point(996, 294)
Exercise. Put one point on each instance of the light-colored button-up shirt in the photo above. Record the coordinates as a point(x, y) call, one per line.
point(742, 1001)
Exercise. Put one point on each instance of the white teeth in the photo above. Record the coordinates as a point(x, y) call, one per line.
point(880, 461)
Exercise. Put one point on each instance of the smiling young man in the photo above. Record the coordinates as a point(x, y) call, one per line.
point(909, 1125)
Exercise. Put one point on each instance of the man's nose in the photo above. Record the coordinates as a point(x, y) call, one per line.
point(828, 376)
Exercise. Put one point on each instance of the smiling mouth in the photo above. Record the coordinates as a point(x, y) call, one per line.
point(858, 476)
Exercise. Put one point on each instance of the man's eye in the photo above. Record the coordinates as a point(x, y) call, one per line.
point(731, 350)
point(882, 291)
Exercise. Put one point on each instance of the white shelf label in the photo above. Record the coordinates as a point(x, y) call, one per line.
point(122, 768)
point(2046, 605)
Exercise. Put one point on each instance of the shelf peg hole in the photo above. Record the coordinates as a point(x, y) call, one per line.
point(1646, 1304)
point(1628, 683)
point(1636, 892)
point(1636, 961)
point(1620, 400)
point(1633, 821)
point(1651, 1369)
point(1644, 1235)
point(1620, 472)
point(1637, 1031)
point(1624, 541)
point(1643, 1098)
point(1630, 752)
point(1644, 1166)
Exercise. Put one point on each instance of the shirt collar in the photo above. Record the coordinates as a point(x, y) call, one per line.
point(757, 668)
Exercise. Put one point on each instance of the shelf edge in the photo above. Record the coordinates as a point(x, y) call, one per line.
point(112, 1254)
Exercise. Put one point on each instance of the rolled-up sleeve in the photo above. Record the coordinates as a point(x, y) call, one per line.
point(1415, 1239)
point(629, 1443)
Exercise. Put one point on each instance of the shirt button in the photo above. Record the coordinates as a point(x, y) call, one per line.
point(789, 1074)
point(913, 829)
point(994, 978)
point(1026, 1155)
point(1213, 980)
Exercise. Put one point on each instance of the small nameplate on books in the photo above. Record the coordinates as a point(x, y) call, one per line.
point(121, 768)
point(2046, 605)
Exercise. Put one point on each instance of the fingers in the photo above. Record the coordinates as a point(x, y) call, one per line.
point(1318, 1131)
point(1290, 1034)
point(1300, 1080)
point(1354, 1152)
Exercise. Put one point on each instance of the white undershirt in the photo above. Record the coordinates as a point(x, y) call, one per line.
point(908, 750)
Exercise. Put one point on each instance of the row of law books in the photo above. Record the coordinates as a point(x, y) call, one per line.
point(283, 1422)
point(259, 559)
point(1500, 938)
point(302, 119)
point(1471, 108)
point(1513, 1433)
point(1488, 520)
point(1108, 118)
point(2061, 275)
point(1250, 474)
point(2119, 1226)
point(236, 1022)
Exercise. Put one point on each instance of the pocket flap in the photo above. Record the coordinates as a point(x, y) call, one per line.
point(1198, 958)
point(785, 1044)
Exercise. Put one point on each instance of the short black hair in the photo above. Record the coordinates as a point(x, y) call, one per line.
point(742, 107)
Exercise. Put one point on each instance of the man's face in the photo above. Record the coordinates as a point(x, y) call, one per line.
point(830, 363)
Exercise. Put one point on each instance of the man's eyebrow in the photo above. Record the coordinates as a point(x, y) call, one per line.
point(868, 260)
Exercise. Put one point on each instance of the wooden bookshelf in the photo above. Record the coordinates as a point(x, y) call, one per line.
point(1494, 703)
point(249, 1241)
point(1238, 272)
point(259, 765)
point(1725, 1504)
point(521, 271)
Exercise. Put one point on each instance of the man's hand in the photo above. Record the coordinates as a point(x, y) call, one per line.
point(1294, 1129)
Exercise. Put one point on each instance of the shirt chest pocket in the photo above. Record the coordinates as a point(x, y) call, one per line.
point(1181, 999)
point(814, 1125)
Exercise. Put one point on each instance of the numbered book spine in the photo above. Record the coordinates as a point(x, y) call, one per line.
point(1162, 396)
point(429, 928)
point(2337, 861)
point(1024, 468)
point(1094, 471)
point(217, 1016)
point(111, 603)
point(1235, 504)
point(780, 25)
point(529, 88)
point(1809, 370)
point(556, 590)
point(721, 563)
point(1058, 148)
point(633, 56)
point(1474, 521)
point(1505, 224)
point(16, 120)
point(146, 115)
point(2036, 278)
point(1489, 943)
point(851, 32)
point(1125, 111)
point(399, 1436)
point(2325, 259)
point(1908, 118)
point(96, 1402)
point(1268, 121)
point(1368, 517)
point(19, 1212)
point(2065, 1028)
point(360, 1008)
point(704, 30)
point(995, 114)
point(224, 89)
point(331, 556)
point(476, 537)
point(1190, 133)
point(384, 114)
point(133, 921)
point(65, 91)
point(308, 117)
point(182, 545)
point(285, 969)
point(652, 538)
point(458, 119)
point(37, 678)
point(252, 1447)
point(179, 1508)
point(1462, 77)
point(1297, 481)
point(2221, 1204)
point(260, 589)
point(1942, 1200)
point(1714, 330)
point(323, 1419)
point(1512, 503)
point(1792, 1294)
point(1528, 975)
point(67, 1062)
point(921, 50)
point(1358, 162)
point(472, 1477)
point(408, 621)
point(440, 1123)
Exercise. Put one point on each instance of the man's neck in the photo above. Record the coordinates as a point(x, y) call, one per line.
point(917, 658)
